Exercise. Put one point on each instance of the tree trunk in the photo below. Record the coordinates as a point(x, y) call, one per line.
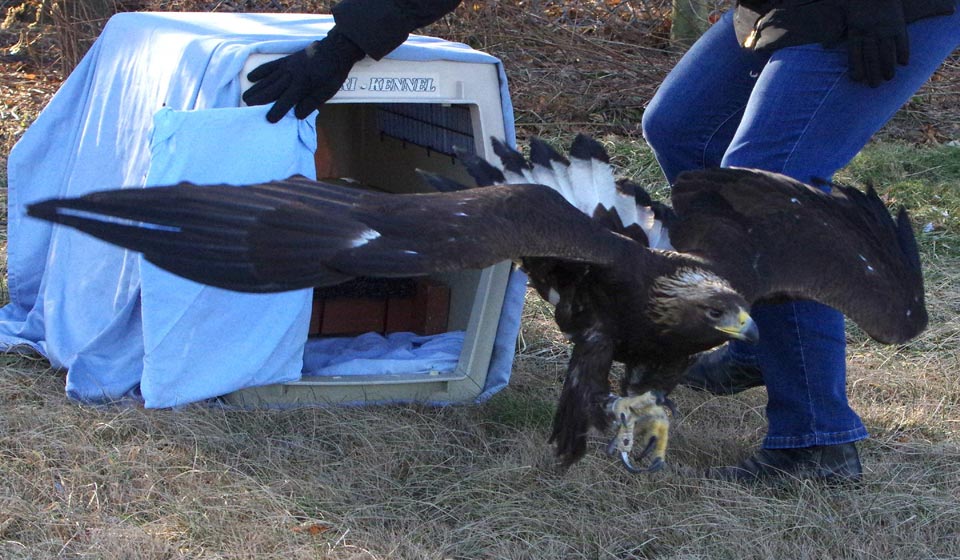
point(690, 20)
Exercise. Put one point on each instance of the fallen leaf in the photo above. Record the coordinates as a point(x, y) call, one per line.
point(930, 134)
point(312, 529)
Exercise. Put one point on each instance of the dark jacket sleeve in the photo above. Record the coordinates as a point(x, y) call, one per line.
point(379, 26)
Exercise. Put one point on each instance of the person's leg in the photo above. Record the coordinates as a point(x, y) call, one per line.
point(698, 107)
point(807, 119)
point(689, 123)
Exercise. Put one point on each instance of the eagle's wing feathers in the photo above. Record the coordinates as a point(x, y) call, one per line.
point(772, 236)
point(585, 179)
point(298, 233)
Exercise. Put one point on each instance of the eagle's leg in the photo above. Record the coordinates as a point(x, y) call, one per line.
point(640, 418)
point(585, 390)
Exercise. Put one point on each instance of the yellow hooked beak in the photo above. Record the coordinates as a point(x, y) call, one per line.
point(740, 327)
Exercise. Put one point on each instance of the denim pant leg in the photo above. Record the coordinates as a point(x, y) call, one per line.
point(829, 120)
point(695, 112)
point(803, 117)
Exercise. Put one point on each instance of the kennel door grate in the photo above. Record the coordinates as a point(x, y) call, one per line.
point(437, 127)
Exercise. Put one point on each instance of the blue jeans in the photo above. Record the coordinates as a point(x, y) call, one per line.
point(794, 111)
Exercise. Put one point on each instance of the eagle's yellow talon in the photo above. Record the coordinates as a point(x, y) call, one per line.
point(640, 417)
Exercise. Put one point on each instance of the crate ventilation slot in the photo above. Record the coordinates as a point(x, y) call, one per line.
point(439, 128)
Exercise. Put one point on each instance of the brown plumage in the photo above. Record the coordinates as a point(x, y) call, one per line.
point(632, 281)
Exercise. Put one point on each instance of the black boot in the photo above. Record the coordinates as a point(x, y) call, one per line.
point(719, 372)
point(828, 463)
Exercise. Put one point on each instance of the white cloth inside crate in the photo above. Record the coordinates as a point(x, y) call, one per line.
point(377, 354)
point(155, 101)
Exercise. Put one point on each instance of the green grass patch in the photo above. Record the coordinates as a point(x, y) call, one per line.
point(926, 180)
point(516, 411)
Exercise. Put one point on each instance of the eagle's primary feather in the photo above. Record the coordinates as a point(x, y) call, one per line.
point(632, 280)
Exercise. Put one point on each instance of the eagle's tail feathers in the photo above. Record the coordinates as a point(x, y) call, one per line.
point(552, 169)
point(586, 196)
point(586, 180)
point(601, 178)
point(515, 166)
point(484, 174)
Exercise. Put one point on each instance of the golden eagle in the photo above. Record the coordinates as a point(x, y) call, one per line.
point(632, 280)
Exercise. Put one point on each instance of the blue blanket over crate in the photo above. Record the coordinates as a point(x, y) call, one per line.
point(155, 101)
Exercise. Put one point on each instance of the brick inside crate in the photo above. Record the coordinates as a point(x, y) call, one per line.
point(423, 308)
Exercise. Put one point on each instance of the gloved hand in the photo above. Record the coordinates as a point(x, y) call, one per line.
point(876, 39)
point(305, 79)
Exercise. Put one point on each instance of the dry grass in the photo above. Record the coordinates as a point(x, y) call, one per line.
point(461, 482)
point(479, 481)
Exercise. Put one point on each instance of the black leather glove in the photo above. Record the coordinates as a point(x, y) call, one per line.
point(876, 39)
point(305, 79)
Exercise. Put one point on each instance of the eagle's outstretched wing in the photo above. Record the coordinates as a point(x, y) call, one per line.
point(298, 233)
point(771, 236)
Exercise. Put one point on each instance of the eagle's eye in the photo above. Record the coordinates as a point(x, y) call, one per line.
point(714, 313)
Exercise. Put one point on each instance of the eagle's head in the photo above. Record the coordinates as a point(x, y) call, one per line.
point(700, 308)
